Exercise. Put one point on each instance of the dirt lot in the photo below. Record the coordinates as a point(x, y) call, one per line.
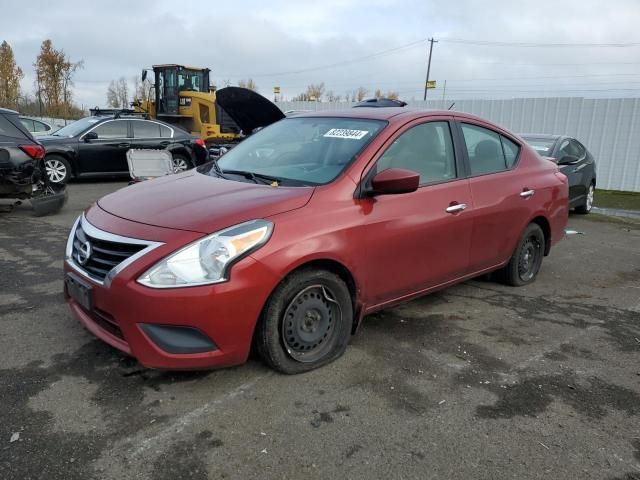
point(478, 381)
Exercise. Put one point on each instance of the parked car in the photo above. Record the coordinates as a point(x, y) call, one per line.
point(575, 161)
point(22, 172)
point(35, 127)
point(96, 146)
point(305, 227)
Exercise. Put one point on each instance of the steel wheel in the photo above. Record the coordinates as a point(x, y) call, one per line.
point(179, 164)
point(530, 258)
point(309, 321)
point(56, 170)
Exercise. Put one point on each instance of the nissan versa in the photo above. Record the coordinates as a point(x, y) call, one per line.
point(304, 228)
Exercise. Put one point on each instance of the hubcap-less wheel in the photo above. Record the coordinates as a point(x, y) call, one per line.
point(309, 323)
point(179, 165)
point(56, 170)
point(529, 261)
point(590, 195)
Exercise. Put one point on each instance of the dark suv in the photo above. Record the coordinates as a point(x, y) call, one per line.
point(97, 146)
point(22, 173)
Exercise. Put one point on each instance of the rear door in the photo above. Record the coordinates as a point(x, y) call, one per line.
point(416, 240)
point(108, 152)
point(149, 134)
point(499, 193)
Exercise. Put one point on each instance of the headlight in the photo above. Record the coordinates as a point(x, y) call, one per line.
point(209, 259)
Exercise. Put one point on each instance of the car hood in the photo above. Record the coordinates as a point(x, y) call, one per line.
point(200, 203)
point(247, 108)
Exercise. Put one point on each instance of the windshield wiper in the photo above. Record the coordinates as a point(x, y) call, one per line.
point(256, 177)
point(218, 169)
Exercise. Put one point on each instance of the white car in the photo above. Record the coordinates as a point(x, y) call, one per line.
point(37, 127)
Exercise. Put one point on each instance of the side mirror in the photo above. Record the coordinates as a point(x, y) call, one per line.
point(394, 181)
point(568, 159)
point(90, 136)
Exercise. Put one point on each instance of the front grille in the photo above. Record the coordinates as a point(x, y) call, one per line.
point(104, 255)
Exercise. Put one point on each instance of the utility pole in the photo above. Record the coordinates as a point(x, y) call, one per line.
point(431, 41)
point(444, 92)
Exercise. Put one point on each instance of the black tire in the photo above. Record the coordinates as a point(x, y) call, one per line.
point(58, 169)
point(180, 163)
point(306, 322)
point(588, 201)
point(525, 262)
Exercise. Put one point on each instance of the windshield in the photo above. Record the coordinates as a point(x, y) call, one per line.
point(300, 151)
point(541, 145)
point(77, 127)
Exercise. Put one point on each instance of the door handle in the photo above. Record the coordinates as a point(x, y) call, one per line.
point(458, 207)
point(165, 143)
point(124, 145)
point(527, 193)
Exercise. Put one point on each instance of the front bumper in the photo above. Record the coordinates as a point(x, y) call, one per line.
point(223, 315)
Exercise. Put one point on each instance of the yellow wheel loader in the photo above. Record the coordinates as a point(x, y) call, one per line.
point(182, 96)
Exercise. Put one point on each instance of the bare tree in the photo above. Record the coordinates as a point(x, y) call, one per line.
point(118, 93)
point(332, 97)
point(142, 90)
point(10, 76)
point(248, 83)
point(359, 94)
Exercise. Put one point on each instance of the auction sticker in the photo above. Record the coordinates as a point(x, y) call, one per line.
point(346, 133)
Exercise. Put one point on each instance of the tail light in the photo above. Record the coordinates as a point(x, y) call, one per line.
point(199, 141)
point(34, 151)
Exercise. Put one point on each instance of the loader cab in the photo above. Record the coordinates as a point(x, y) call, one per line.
point(170, 80)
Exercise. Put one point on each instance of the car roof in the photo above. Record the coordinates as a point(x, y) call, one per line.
point(387, 113)
point(6, 110)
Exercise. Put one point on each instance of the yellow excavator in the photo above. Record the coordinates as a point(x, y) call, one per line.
point(182, 96)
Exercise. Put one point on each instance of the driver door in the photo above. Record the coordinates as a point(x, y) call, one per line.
point(108, 152)
point(416, 241)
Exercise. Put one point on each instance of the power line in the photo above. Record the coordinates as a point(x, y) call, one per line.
point(535, 45)
point(344, 62)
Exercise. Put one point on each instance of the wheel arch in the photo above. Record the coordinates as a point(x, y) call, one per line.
point(67, 156)
point(544, 224)
point(336, 267)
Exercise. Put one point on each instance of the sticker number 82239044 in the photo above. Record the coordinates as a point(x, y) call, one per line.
point(346, 133)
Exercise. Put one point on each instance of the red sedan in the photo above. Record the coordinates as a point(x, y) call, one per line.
point(304, 228)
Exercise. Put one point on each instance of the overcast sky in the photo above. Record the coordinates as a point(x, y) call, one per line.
point(294, 43)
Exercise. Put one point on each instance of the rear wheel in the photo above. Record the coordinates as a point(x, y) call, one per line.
point(526, 261)
point(306, 323)
point(58, 169)
point(588, 201)
point(180, 164)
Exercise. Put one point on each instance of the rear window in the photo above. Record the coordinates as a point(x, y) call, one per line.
point(10, 126)
point(541, 145)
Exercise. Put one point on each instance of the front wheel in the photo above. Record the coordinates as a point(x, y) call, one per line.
point(526, 261)
point(588, 201)
point(306, 322)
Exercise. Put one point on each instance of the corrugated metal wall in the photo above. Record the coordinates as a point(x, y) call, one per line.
point(609, 128)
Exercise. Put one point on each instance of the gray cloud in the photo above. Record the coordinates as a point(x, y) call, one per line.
point(259, 39)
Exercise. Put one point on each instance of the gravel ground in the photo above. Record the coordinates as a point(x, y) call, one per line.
point(477, 381)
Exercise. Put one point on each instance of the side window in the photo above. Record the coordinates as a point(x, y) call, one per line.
point(115, 129)
point(143, 129)
point(41, 127)
point(165, 132)
point(28, 124)
point(577, 147)
point(568, 148)
point(426, 149)
point(485, 150)
point(511, 151)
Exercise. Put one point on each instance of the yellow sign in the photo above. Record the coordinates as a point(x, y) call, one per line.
point(431, 84)
point(276, 90)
